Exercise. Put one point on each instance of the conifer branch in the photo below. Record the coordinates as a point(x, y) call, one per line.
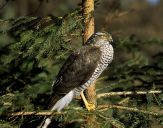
point(99, 108)
point(106, 107)
point(45, 113)
point(112, 121)
point(128, 93)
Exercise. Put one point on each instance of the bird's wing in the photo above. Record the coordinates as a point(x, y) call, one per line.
point(77, 70)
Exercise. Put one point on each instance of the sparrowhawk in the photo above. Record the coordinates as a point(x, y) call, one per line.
point(80, 70)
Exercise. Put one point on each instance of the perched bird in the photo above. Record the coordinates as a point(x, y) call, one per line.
point(80, 70)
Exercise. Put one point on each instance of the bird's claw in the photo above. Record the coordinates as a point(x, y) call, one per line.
point(90, 106)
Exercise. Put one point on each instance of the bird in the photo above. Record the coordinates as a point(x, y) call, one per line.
point(80, 70)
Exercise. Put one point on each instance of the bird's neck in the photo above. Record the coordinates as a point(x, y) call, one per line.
point(107, 53)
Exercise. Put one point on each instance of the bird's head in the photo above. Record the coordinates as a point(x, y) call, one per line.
point(100, 38)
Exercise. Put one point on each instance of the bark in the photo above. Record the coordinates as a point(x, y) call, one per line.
point(88, 11)
point(90, 93)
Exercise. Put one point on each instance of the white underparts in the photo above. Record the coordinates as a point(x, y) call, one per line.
point(106, 58)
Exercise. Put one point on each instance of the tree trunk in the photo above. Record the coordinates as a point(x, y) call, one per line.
point(88, 14)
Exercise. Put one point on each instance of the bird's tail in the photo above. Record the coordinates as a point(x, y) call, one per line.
point(57, 102)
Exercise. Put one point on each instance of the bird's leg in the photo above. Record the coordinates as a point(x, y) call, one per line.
point(89, 106)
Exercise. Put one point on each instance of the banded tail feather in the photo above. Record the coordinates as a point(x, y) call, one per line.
point(57, 103)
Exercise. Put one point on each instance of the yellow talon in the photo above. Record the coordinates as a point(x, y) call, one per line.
point(89, 106)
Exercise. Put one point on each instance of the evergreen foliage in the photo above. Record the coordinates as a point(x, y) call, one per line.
point(29, 63)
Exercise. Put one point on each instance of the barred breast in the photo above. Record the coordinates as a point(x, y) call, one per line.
point(105, 60)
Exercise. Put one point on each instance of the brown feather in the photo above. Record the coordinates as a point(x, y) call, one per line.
point(77, 70)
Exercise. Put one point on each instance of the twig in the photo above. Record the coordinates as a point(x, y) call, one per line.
point(104, 107)
point(36, 113)
point(128, 93)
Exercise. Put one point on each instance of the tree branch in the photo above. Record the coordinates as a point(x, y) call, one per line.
point(128, 93)
point(47, 113)
point(106, 107)
point(99, 108)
